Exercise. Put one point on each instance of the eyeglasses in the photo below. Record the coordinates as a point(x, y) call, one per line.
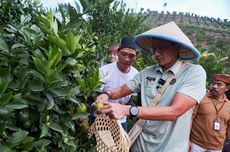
point(154, 49)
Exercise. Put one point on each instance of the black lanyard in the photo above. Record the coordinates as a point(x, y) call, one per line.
point(215, 106)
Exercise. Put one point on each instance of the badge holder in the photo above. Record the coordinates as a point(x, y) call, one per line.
point(216, 125)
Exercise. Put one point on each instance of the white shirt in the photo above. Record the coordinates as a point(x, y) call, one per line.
point(112, 77)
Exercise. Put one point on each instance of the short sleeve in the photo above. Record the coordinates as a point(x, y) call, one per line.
point(195, 83)
point(135, 83)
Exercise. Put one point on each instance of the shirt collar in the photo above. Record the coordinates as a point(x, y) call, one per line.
point(174, 69)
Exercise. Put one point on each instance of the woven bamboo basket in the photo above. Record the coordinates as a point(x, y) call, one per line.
point(109, 134)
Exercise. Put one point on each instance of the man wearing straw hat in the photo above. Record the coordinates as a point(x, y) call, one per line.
point(211, 118)
point(167, 124)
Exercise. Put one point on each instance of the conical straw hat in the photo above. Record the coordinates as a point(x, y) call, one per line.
point(169, 32)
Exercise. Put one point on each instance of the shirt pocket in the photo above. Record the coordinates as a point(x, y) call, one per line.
point(150, 90)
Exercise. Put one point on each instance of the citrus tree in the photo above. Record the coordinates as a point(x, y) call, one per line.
point(48, 75)
point(111, 22)
point(213, 63)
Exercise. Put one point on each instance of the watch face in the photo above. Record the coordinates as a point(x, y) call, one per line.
point(134, 111)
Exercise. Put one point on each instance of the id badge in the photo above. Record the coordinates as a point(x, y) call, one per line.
point(216, 125)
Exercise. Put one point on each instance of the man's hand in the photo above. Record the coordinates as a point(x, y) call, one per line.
point(102, 98)
point(114, 110)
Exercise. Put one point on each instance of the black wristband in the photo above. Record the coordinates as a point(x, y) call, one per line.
point(109, 95)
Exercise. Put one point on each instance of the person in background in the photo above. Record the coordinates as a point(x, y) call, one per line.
point(116, 74)
point(167, 124)
point(113, 53)
point(211, 118)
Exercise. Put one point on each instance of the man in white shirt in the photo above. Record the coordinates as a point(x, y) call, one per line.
point(116, 74)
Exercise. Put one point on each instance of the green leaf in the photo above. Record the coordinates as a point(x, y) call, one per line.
point(28, 139)
point(74, 91)
point(38, 54)
point(72, 41)
point(84, 4)
point(71, 143)
point(11, 29)
point(80, 53)
point(42, 143)
point(80, 115)
point(17, 45)
point(47, 30)
point(74, 16)
point(71, 61)
point(62, 12)
point(93, 79)
point(37, 75)
point(59, 92)
point(17, 137)
point(73, 100)
point(44, 20)
point(4, 148)
point(3, 46)
point(51, 75)
point(23, 82)
point(40, 65)
point(34, 99)
point(57, 59)
point(82, 84)
point(5, 98)
point(52, 52)
point(54, 57)
point(56, 127)
point(60, 43)
point(4, 79)
point(25, 19)
point(50, 101)
point(80, 67)
point(36, 85)
point(50, 17)
point(2, 128)
point(54, 27)
point(16, 105)
point(28, 146)
point(44, 130)
point(58, 84)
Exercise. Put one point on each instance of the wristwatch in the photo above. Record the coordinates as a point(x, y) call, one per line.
point(133, 111)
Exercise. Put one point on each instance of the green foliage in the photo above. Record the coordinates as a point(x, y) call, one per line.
point(49, 65)
point(46, 72)
point(213, 63)
point(111, 23)
point(144, 59)
point(11, 10)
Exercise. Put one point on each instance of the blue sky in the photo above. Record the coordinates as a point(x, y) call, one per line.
point(212, 8)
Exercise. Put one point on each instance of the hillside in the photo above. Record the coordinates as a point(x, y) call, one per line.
point(207, 34)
